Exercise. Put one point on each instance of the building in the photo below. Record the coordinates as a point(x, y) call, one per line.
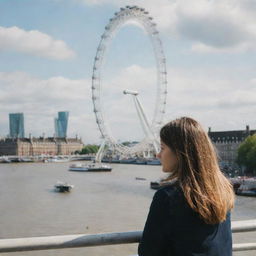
point(16, 125)
point(227, 144)
point(40, 146)
point(61, 124)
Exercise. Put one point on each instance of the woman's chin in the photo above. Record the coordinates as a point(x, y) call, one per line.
point(166, 170)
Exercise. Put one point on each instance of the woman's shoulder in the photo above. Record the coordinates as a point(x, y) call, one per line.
point(169, 199)
point(170, 191)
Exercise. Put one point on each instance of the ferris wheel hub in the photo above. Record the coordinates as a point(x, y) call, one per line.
point(135, 93)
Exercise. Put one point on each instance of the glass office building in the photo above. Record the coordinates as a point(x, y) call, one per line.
point(61, 124)
point(16, 125)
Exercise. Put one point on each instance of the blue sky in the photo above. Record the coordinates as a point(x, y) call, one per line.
point(47, 49)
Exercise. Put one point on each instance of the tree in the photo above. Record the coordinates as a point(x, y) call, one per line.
point(89, 149)
point(247, 154)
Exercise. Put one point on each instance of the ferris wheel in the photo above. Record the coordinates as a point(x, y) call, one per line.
point(130, 13)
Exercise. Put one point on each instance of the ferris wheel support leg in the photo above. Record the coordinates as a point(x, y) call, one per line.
point(146, 124)
point(99, 154)
point(142, 121)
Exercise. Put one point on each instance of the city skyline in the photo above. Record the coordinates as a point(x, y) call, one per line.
point(16, 126)
point(47, 50)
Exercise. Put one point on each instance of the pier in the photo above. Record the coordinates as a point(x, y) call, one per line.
point(42, 158)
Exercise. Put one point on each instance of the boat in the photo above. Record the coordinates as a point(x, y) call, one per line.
point(161, 183)
point(110, 160)
point(26, 160)
point(128, 161)
point(141, 161)
point(247, 187)
point(15, 160)
point(155, 185)
point(140, 178)
point(56, 159)
point(63, 186)
point(244, 186)
point(5, 160)
point(153, 161)
point(246, 192)
point(90, 168)
point(81, 158)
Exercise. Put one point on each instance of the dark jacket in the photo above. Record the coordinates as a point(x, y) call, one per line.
point(174, 229)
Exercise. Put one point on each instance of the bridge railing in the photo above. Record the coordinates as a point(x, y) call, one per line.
point(84, 240)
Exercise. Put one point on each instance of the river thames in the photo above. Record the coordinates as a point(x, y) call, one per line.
point(100, 202)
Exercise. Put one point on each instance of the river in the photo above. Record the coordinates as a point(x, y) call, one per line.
point(100, 202)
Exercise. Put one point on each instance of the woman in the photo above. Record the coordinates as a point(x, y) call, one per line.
point(190, 215)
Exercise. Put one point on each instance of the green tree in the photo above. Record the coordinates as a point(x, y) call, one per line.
point(126, 143)
point(247, 154)
point(89, 149)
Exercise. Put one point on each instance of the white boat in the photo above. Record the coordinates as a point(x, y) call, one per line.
point(247, 187)
point(26, 160)
point(5, 160)
point(56, 159)
point(90, 168)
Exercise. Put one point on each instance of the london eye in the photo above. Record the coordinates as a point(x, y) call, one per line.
point(140, 15)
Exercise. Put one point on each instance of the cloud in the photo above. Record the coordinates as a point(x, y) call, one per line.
point(33, 42)
point(221, 102)
point(225, 26)
point(217, 26)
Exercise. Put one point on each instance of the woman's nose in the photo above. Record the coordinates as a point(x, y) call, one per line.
point(158, 155)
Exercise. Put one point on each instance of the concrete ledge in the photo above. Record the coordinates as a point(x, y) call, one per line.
point(67, 241)
point(85, 240)
point(244, 247)
point(243, 226)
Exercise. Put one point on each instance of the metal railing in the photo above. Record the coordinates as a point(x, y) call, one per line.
point(82, 240)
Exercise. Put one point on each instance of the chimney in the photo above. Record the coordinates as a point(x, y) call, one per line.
point(209, 129)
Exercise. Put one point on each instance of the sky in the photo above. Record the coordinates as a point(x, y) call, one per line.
point(47, 50)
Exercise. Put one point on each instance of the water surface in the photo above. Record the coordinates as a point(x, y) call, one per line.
point(100, 202)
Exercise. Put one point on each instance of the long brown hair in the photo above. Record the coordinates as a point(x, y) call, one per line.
point(206, 189)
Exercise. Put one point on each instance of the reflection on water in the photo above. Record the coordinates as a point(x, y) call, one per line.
point(100, 202)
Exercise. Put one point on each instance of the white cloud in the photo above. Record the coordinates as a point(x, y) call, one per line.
point(221, 102)
point(241, 48)
point(212, 26)
point(33, 42)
